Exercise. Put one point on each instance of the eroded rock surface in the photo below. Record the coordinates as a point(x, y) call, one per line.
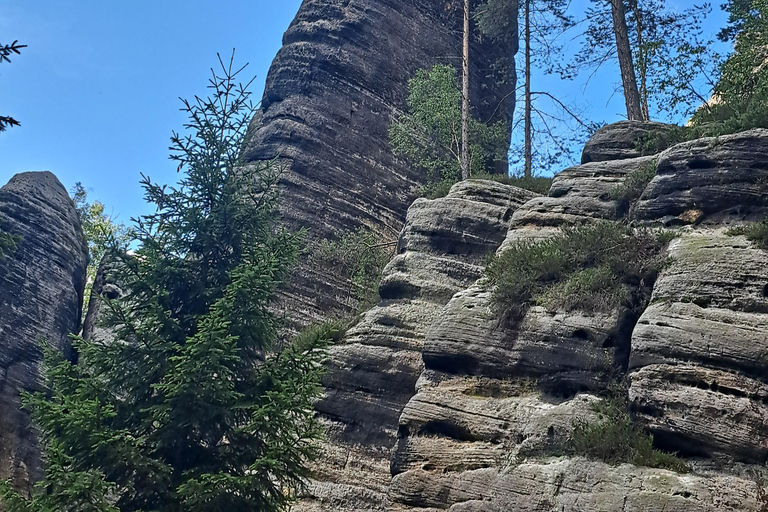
point(330, 96)
point(373, 371)
point(699, 352)
point(573, 484)
point(626, 139)
point(724, 175)
point(41, 292)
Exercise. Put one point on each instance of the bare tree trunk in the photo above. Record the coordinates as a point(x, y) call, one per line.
point(528, 123)
point(642, 60)
point(465, 97)
point(628, 81)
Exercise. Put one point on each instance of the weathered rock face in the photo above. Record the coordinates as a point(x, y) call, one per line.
point(574, 484)
point(495, 401)
point(700, 351)
point(715, 175)
point(626, 139)
point(330, 96)
point(41, 292)
point(373, 372)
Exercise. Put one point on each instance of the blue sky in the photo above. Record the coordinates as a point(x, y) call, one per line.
point(97, 88)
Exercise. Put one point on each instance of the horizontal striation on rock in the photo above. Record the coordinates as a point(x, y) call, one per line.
point(574, 485)
point(372, 372)
point(711, 175)
point(41, 292)
point(330, 96)
point(627, 139)
point(700, 350)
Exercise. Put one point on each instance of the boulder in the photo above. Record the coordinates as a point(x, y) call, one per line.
point(41, 293)
point(627, 139)
point(715, 175)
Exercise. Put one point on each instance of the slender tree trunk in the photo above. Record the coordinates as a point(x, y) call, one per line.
point(528, 124)
point(465, 97)
point(642, 60)
point(628, 81)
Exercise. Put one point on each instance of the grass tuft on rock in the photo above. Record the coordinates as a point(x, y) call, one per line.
point(615, 439)
point(632, 187)
point(591, 267)
point(756, 233)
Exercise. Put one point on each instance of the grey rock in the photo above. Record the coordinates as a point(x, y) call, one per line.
point(41, 292)
point(331, 93)
point(620, 140)
point(699, 411)
point(699, 351)
point(713, 175)
point(372, 373)
point(575, 485)
point(105, 284)
point(579, 194)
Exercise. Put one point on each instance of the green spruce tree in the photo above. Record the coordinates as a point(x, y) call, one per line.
point(191, 408)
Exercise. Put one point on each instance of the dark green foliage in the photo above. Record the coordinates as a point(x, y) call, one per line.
point(632, 187)
point(615, 439)
point(741, 94)
point(593, 267)
point(757, 233)
point(358, 256)
point(6, 50)
point(537, 184)
point(8, 243)
point(190, 408)
point(429, 134)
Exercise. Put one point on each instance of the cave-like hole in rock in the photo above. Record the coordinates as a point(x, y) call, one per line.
point(442, 428)
point(701, 163)
point(581, 334)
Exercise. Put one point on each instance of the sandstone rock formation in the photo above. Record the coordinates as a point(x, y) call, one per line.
point(626, 139)
point(495, 405)
point(700, 350)
point(716, 175)
point(373, 372)
point(41, 291)
point(331, 94)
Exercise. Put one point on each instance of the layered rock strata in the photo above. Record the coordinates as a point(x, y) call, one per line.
point(496, 401)
point(700, 350)
point(41, 292)
point(331, 93)
point(627, 139)
point(373, 371)
point(723, 177)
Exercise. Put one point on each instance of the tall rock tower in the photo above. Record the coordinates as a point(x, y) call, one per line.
point(331, 94)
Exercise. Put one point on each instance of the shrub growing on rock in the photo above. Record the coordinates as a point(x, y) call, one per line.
point(591, 267)
point(615, 439)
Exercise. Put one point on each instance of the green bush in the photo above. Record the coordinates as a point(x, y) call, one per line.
point(592, 267)
point(358, 256)
point(615, 439)
point(632, 187)
point(538, 184)
point(437, 189)
point(757, 233)
point(8, 244)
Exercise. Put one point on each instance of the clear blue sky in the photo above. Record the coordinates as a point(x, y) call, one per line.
point(97, 89)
